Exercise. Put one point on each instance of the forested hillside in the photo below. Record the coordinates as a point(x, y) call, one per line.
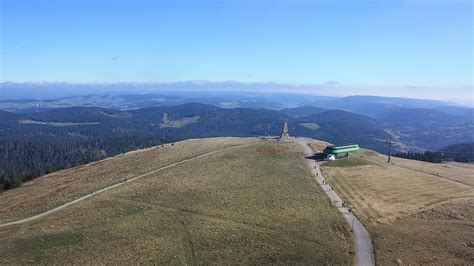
point(463, 152)
point(341, 128)
point(37, 143)
point(428, 128)
point(32, 144)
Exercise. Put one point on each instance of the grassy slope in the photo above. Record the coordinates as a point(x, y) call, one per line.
point(417, 212)
point(237, 206)
point(347, 162)
point(59, 187)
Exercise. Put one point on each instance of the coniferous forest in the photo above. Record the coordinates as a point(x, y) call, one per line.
point(23, 160)
point(463, 152)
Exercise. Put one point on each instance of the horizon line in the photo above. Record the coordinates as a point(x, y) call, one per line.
point(205, 81)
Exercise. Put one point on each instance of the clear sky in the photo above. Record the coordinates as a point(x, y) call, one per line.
point(393, 43)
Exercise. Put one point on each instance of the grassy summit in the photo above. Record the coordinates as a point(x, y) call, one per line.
point(234, 206)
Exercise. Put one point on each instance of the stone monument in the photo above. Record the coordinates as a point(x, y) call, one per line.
point(285, 136)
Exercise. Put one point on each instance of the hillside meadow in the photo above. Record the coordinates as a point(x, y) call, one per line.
point(63, 186)
point(236, 206)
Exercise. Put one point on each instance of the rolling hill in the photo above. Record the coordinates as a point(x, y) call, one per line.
point(376, 105)
point(341, 128)
point(302, 111)
point(428, 128)
point(223, 200)
point(218, 201)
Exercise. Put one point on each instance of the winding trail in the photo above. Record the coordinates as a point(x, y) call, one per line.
point(48, 212)
point(363, 244)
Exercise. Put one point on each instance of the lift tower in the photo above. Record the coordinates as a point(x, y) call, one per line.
point(389, 143)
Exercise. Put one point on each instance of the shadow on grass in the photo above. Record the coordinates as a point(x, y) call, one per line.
point(317, 157)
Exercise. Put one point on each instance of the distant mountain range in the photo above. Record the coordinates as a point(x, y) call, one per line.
point(415, 124)
point(184, 121)
point(35, 143)
point(55, 90)
point(363, 119)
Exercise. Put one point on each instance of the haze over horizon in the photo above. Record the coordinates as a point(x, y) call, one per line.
point(413, 49)
point(330, 88)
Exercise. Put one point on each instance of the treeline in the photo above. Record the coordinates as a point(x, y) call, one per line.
point(427, 156)
point(463, 152)
point(25, 159)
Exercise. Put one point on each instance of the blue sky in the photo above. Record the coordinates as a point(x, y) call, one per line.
point(393, 43)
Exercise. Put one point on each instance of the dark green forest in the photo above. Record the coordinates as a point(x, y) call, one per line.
point(23, 160)
point(463, 152)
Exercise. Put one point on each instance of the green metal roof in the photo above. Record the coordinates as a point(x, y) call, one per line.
point(344, 147)
point(341, 149)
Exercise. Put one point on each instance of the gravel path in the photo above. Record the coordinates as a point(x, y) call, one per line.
point(363, 244)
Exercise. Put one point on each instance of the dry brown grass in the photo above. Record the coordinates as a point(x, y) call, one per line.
point(233, 207)
point(59, 187)
point(458, 172)
point(391, 201)
point(441, 235)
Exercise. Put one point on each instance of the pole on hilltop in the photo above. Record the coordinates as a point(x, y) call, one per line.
point(389, 143)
